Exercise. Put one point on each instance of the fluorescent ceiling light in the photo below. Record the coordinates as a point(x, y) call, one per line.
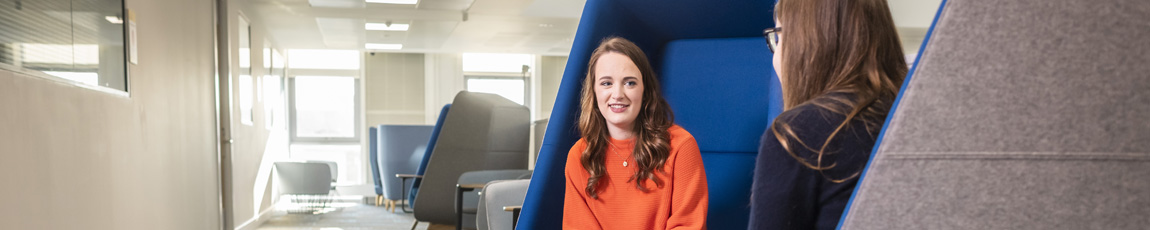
point(408, 2)
point(114, 19)
point(384, 26)
point(378, 46)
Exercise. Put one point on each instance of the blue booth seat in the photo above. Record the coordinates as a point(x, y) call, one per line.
point(401, 149)
point(715, 69)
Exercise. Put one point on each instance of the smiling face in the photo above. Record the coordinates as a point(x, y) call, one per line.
point(618, 91)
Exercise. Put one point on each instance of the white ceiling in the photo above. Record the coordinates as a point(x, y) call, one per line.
point(544, 27)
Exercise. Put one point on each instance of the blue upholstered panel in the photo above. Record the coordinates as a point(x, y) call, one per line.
point(729, 189)
point(401, 150)
point(651, 24)
point(373, 157)
point(427, 154)
point(723, 91)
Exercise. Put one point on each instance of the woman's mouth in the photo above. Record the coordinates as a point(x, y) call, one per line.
point(618, 108)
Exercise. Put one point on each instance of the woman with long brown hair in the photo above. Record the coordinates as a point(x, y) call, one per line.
point(840, 63)
point(633, 168)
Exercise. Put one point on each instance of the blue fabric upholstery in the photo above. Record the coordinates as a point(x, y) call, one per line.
point(722, 92)
point(716, 71)
point(373, 158)
point(401, 150)
point(427, 154)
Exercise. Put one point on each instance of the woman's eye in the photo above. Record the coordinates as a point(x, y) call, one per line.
point(606, 83)
point(631, 83)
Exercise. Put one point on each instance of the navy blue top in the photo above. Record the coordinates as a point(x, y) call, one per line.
point(788, 195)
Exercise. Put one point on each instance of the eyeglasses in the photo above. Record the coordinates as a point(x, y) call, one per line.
point(772, 35)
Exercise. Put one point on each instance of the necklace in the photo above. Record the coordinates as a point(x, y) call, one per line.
point(617, 154)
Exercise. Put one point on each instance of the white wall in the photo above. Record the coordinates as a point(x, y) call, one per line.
point(76, 158)
point(444, 79)
point(256, 147)
point(394, 91)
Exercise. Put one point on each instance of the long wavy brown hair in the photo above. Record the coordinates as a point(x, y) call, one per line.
point(652, 142)
point(831, 49)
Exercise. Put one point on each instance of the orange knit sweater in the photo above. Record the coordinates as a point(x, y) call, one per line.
point(681, 203)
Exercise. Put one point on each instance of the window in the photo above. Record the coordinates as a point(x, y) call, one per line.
point(325, 109)
point(77, 41)
point(246, 84)
point(512, 88)
point(274, 92)
point(506, 75)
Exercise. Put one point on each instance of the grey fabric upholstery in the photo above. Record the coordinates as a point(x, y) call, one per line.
point(481, 132)
point(333, 167)
point(473, 200)
point(1026, 114)
point(304, 178)
point(497, 194)
point(401, 149)
point(539, 127)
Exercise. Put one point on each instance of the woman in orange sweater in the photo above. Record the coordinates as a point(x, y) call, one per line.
point(633, 168)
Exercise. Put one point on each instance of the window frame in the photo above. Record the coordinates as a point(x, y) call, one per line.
point(292, 126)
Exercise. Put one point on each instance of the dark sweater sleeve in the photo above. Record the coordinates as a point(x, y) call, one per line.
point(786, 194)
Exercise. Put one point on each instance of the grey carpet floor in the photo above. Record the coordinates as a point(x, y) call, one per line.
point(355, 216)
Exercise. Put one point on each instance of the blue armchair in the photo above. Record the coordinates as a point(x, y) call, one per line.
point(716, 72)
point(400, 149)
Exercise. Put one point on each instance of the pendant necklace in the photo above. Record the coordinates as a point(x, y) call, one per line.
point(617, 154)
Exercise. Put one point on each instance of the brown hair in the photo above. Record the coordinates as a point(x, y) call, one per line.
point(846, 47)
point(652, 142)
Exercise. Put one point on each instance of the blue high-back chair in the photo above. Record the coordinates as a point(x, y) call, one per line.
point(427, 154)
point(373, 158)
point(716, 72)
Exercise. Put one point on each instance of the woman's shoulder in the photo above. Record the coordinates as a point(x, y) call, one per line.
point(810, 117)
point(681, 138)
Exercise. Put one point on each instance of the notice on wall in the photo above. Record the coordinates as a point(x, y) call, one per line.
point(132, 51)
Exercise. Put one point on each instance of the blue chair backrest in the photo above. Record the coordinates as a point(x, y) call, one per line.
point(427, 154)
point(709, 56)
point(373, 157)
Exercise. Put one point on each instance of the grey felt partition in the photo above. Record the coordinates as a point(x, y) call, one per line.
point(482, 131)
point(1023, 114)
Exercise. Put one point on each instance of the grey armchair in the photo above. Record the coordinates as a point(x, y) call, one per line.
point(481, 132)
point(307, 183)
point(498, 204)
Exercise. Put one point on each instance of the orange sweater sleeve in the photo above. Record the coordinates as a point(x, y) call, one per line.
point(689, 191)
point(576, 212)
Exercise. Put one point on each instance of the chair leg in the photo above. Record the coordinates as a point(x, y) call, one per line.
point(413, 224)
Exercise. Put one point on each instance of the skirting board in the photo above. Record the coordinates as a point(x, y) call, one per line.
point(255, 222)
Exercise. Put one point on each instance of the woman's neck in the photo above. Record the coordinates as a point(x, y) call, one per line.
point(620, 133)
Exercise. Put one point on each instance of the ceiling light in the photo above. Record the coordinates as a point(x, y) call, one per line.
point(114, 19)
point(407, 2)
point(384, 26)
point(378, 46)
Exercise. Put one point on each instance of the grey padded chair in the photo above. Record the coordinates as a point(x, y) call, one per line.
point(481, 132)
point(307, 183)
point(1025, 114)
point(304, 178)
point(495, 196)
